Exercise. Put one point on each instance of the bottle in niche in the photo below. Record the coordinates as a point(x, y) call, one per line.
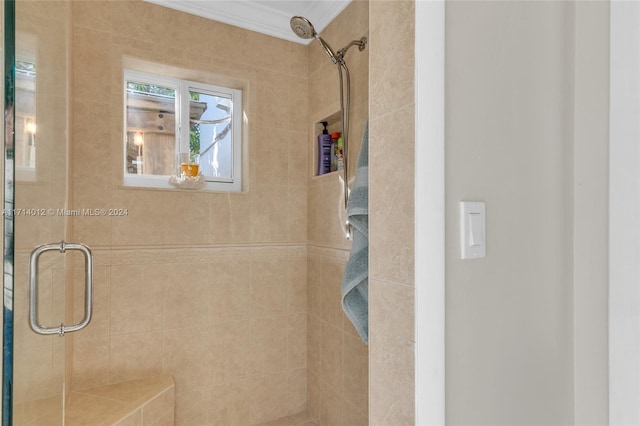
point(324, 151)
point(334, 150)
point(340, 154)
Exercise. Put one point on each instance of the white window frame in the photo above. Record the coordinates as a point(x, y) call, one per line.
point(182, 88)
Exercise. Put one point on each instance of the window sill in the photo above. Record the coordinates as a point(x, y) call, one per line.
point(162, 183)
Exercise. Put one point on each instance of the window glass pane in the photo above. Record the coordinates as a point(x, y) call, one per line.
point(211, 133)
point(151, 132)
point(167, 118)
point(25, 126)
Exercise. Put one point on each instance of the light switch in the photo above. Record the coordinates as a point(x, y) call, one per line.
point(472, 230)
point(475, 230)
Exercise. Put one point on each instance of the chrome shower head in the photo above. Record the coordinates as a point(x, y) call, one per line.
point(303, 28)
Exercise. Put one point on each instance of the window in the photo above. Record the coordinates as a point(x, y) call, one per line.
point(168, 118)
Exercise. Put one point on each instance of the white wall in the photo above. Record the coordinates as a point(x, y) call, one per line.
point(509, 142)
point(591, 189)
point(429, 213)
point(624, 228)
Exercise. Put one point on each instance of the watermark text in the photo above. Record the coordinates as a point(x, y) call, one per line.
point(65, 212)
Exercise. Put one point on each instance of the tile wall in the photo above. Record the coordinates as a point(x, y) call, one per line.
point(228, 323)
point(42, 35)
point(391, 204)
point(337, 360)
point(207, 287)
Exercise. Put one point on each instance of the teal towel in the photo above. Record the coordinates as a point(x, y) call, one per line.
point(355, 281)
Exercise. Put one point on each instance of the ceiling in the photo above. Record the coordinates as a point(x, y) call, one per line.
point(269, 17)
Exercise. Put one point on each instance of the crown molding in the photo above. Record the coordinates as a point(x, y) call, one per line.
point(266, 16)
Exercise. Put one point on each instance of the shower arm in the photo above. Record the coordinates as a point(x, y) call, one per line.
point(362, 43)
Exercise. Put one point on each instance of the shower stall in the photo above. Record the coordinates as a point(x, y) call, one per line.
point(229, 303)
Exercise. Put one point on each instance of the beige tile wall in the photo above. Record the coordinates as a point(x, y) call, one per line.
point(337, 359)
point(391, 221)
point(39, 360)
point(326, 202)
point(208, 287)
point(275, 157)
point(42, 33)
point(228, 324)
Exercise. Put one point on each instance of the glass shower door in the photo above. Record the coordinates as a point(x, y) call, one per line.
point(36, 178)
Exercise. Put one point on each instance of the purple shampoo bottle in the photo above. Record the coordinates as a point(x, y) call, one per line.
point(324, 150)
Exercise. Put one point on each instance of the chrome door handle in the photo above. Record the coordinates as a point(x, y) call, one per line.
point(33, 288)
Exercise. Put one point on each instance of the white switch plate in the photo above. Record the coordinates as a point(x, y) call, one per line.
point(473, 230)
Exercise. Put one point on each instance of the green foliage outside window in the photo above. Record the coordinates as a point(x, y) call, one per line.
point(194, 132)
point(151, 88)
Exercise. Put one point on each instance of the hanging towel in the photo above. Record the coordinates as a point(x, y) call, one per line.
point(355, 281)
